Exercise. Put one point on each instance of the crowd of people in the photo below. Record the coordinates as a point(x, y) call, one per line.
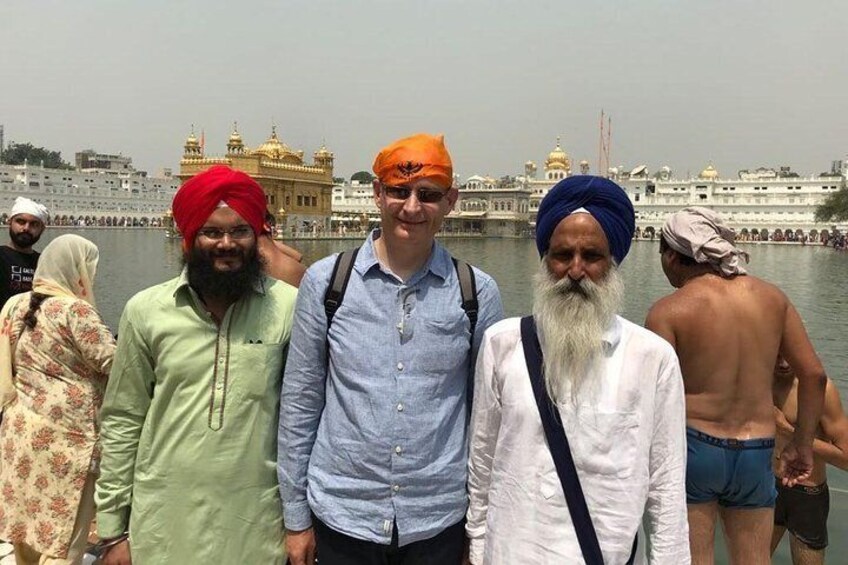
point(377, 408)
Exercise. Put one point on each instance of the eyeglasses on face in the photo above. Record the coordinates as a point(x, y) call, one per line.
point(215, 234)
point(425, 195)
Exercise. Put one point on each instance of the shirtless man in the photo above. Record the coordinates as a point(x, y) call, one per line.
point(728, 329)
point(803, 509)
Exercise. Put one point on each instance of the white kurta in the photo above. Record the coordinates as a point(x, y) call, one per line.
point(628, 439)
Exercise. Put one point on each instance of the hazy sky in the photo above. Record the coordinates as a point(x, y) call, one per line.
point(739, 83)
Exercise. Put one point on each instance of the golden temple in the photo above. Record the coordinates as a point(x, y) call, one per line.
point(296, 192)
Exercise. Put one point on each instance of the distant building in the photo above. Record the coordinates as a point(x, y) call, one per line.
point(88, 198)
point(90, 161)
point(766, 203)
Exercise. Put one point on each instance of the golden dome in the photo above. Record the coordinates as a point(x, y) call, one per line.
point(558, 159)
point(584, 162)
point(273, 148)
point(710, 173)
point(235, 137)
point(323, 152)
point(191, 140)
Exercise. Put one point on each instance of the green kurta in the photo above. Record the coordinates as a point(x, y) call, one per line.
point(190, 425)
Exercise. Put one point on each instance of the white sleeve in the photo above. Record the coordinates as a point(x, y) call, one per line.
point(485, 424)
point(667, 525)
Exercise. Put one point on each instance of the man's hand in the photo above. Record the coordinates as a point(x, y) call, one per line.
point(118, 554)
point(300, 546)
point(795, 463)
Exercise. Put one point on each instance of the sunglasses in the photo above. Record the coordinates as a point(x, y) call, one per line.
point(425, 195)
point(216, 234)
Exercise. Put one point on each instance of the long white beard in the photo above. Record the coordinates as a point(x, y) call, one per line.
point(572, 318)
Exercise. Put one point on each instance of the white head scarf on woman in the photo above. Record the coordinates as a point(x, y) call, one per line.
point(65, 268)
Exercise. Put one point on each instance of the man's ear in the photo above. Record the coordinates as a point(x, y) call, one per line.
point(452, 196)
point(378, 187)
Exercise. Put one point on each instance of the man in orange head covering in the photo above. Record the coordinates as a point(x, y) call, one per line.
point(190, 412)
point(373, 430)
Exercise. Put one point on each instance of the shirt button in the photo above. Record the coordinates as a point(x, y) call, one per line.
point(400, 366)
point(395, 488)
point(398, 450)
point(400, 407)
point(220, 359)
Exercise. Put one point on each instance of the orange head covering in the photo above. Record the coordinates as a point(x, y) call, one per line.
point(201, 194)
point(420, 156)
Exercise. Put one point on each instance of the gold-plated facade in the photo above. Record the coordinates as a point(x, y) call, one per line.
point(303, 190)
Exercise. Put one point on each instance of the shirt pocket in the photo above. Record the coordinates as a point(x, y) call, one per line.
point(258, 369)
point(444, 345)
point(606, 443)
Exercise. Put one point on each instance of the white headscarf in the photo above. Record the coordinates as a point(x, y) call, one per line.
point(26, 206)
point(66, 268)
point(701, 234)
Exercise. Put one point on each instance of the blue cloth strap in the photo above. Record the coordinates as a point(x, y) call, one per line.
point(561, 452)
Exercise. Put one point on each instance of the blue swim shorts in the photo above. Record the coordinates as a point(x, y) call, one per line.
point(737, 473)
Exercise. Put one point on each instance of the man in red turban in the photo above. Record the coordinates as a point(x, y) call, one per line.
point(216, 187)
point(190, 413)
point(221, 186)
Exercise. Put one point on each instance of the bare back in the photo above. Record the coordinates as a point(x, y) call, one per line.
point(727, 333)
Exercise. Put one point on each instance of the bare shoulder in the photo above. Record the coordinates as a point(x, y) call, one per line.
point(759, 285)
point(671, 309)
point(832, 401)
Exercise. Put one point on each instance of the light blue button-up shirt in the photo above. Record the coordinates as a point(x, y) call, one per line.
point(377, 433)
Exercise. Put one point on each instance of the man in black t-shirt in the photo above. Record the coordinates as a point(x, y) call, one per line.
point(17, 258)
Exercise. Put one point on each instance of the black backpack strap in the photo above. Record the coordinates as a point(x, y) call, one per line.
point(338, 283)
point(468, 291)
point(560, 450)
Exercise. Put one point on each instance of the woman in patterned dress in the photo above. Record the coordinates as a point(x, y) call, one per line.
point(55, 355)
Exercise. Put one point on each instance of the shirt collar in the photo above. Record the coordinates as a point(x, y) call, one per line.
point(439, 263)
point(182, 282)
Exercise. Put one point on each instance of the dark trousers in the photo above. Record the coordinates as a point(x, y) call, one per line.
point(335, 548)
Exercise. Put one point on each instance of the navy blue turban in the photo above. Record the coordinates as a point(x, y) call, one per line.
point(605, 200)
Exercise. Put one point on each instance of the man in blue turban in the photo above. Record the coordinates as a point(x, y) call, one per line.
point(616, 389)
point(600, 197)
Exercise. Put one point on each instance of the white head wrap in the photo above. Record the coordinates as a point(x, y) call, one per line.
point(701, 234)
point(66, 268)
point(26, 206)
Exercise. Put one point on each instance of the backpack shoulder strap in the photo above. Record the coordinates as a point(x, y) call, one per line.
point(468, 291)
point(338, 283)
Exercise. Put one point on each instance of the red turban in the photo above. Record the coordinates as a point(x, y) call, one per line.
point(200, 195)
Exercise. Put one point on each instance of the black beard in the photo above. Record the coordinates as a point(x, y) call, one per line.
point(23, 239)
point(229, 286)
